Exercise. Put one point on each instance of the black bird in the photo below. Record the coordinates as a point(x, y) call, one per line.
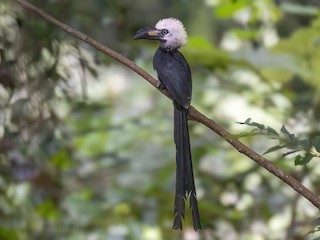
point(175, 76)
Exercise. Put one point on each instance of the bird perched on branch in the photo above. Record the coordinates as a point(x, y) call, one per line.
point(175, 76)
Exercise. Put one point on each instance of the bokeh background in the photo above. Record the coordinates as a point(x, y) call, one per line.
point(86, 145)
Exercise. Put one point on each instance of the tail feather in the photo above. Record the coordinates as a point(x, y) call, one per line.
point(195, 211)
point(184, 174)
point(180, 194)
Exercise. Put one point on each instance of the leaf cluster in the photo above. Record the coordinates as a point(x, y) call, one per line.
point(286, 140)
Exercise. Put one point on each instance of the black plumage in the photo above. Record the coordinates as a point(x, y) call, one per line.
point(174, 75)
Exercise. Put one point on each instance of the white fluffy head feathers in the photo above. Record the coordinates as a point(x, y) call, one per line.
point(176, 35)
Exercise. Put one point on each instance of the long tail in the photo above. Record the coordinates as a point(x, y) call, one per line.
point(184, 174)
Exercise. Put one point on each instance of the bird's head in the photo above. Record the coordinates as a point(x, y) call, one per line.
point(169, 31)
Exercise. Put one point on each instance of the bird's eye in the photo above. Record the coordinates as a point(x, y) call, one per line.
point(164, 31)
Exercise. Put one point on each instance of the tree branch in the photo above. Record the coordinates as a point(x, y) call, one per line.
point(193, 113)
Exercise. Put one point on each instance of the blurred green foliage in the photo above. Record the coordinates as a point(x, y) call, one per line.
point(86, 148)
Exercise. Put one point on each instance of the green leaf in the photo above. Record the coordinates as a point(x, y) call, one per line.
point(245, 33)
point(299, 160)
point(48, 210)
point(288, 153)
point(262, 130)
point(199, 43)
point(258, 125)
point(201, 51)
point(274, 148)
point(287, 133)
point(308, 158)
point(229, 8)
point(305, 143)
point(9, 234)
point(253, 132)
point(91, 144)
point(246, 122)
point(303, 49)
point(253, 124)
point(61, 159)
point(272, 132)
point(289, 141)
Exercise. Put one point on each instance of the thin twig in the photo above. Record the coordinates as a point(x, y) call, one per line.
point(193, 113)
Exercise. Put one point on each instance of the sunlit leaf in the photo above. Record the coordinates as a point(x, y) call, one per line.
point(245, 33)
point(228, 8)
point(198, 42)
point(201, 51)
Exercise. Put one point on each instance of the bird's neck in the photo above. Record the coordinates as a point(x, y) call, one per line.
point(167, 48)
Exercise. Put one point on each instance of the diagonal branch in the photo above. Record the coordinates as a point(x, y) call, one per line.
point(193, 113)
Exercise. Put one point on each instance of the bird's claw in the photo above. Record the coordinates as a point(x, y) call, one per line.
point(160, 85)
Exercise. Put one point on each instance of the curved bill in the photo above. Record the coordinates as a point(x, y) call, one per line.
point(148, 33)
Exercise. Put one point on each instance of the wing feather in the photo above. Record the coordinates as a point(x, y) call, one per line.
point(174, 73)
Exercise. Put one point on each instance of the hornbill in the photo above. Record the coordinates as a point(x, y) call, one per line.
point(175, 76)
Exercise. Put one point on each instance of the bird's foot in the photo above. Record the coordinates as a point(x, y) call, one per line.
point(160, 85)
